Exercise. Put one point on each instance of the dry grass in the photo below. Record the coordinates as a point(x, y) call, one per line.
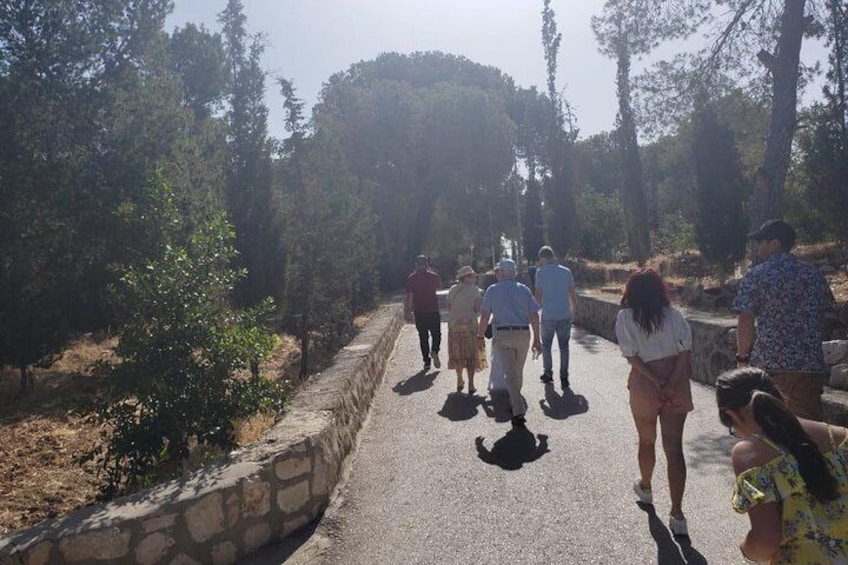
point(46, 431)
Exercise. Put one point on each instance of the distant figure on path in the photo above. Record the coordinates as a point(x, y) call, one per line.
point(463, 307)
point(786, 299)
point(514, 311)
point(556, 293)
point(657, 342)
point(791, 474)
point(422, 306)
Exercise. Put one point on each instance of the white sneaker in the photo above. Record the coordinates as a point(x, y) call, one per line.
point(436, 362)
point(645, 496)
point(678, 526)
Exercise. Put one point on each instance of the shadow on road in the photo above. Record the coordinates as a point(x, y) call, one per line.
point(513, 450)
point(588, 341)
point(459, 406)
point(670, 550)
point(710, 450)
point(560, 407)
point(498, 407)
point(420, 381)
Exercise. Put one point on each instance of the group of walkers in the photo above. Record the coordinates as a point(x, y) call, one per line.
point(791, 468)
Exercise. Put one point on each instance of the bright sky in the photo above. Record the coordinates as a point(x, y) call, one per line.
point(309, 40)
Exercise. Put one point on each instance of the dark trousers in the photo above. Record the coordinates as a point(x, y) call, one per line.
point(428, 324)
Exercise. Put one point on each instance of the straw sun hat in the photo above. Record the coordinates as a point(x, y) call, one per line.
point(464, 272)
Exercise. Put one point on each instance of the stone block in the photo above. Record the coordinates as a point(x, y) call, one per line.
point(290, 526)
point(255, 498)
point(321, 477)
point(97, 545)
point(153, 548)
point(835, 352)
point(839, 376)
point(224, 554)
point(158, 523)
point(233, 510)
point(205, 518)
point(293, 498)
point(256, 537)
point(183, 559)
point(731, 338)
point(40, 554)
point(294, 467)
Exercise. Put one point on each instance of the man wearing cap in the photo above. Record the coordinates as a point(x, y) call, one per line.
point(556, 293)
point(785, 299)
point(422, 304)
point(514, 312)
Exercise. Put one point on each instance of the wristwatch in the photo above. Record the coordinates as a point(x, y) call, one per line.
point(742, 358)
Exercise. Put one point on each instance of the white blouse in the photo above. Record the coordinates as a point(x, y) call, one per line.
point(671, 338)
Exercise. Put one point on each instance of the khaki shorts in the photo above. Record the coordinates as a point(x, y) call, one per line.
point(801, 392)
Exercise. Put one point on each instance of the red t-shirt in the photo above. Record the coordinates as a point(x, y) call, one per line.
point(423, 286)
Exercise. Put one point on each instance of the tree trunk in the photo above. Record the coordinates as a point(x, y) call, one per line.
point(633, 190)
point(304, 345)
point(767, 200)
point(27, 384)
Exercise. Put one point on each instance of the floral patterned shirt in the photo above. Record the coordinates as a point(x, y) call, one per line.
point(813, 533)
point(788, 298)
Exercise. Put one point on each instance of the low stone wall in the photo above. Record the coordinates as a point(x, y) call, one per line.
point(713, 348)
point(261, 494)
point(714, 343)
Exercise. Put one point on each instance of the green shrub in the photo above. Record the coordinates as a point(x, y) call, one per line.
point(602, 235)
point(189, 362)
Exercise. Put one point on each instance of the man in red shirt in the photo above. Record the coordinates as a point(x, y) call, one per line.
point(421, 302)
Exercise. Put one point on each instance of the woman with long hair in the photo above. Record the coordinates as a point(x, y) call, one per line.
point(656, 340)
point(791, 474)
point(464, 353)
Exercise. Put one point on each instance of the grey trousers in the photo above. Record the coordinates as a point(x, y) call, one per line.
point(512, 347)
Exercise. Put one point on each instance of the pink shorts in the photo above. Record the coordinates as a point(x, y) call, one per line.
point(645, 399)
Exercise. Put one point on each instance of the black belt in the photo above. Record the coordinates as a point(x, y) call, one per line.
point(509, 328)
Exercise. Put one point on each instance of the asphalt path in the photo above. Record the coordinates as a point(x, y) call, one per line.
point(441, 477)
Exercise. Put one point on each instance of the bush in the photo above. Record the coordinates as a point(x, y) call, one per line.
point(189, 364)
point(602, 235)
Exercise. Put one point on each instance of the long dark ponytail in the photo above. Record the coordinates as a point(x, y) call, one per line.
point(749, 386)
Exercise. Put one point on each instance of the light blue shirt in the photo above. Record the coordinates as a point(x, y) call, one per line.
point(555, 282)
point(510, 303)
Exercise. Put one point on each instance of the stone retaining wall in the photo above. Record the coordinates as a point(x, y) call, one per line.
point(713, 348)
point(714, 343)
point(261, 494)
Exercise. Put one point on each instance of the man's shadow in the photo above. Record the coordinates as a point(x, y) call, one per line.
point(459, 406)
point(675, 550)
point(513, 450)
point(498, 407)
point(560, 407)
point(420, 381)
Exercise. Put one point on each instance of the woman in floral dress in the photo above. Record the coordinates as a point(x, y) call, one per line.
point(791, 475)
point(463, 308)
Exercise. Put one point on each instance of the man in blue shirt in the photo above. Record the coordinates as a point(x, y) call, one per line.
point(514, 311)
point(556, 293)
point(781, 305)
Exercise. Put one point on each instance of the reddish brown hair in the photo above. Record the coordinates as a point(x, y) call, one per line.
point(646, 294)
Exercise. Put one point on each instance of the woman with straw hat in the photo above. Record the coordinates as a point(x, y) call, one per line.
point(463, 308)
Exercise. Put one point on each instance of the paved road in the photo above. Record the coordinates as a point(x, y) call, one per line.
point(440, 478)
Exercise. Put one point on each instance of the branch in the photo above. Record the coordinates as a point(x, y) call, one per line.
point(768, 60)
point(722, 40)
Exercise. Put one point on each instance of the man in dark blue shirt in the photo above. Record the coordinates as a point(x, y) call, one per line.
point(781, 305)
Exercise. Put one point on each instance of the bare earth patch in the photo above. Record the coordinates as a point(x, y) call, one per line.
point(45, 432)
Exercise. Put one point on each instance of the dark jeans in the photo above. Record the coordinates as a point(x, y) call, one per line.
point(562, 330)
point(428, 324)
